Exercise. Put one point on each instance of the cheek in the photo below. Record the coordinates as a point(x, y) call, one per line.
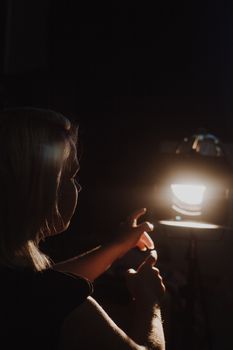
point(75, 196)
point(68, 201)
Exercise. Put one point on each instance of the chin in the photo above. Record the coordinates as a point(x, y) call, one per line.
point(60, 229)
point(64, 228)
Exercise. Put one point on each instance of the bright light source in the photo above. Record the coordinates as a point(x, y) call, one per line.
point(188, 224)
point(186, 212)
point(189, 194)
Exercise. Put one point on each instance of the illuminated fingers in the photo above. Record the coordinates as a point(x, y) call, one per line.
point(132, 220)
point(134, 234)
point(145, 242)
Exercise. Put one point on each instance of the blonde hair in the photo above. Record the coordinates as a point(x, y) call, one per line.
point(35, 149)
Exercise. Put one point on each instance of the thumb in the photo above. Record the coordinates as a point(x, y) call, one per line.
point(129, 275)
point(145, 226)
point(150, 261)
point(130, 272)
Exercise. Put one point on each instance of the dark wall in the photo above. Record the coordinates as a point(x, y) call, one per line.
point(170, 63)
point(133, 75)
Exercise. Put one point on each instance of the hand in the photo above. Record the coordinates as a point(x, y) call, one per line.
point(133, 234)
point(146, 284)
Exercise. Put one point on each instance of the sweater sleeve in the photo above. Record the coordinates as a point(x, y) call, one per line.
point(61, 292)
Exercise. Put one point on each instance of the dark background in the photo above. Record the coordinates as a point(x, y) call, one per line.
point(134, 75)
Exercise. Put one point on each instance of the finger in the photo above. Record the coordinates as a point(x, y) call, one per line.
point(141, 235)
point(132, 220)
point(149, 261)
point(141, 245)
point(157, 274)
point(146, 240)
point(156, 270)
point(158, 280)
point(159, 277)
point(153, 254)
point(130, 272)
point(161, 284)
point(163, 287)
point(144, 227)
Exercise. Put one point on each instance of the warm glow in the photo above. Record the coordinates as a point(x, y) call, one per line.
point(188, 224)
point(186, 212)
point(189, 194)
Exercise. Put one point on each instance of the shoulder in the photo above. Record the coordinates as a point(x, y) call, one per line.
point(48, 292)
point(39, 300)
point(63, 282)
point(61, 292)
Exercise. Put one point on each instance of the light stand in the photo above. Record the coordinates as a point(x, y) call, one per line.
point(195, 184)
point(196, 331)
point(195, 295)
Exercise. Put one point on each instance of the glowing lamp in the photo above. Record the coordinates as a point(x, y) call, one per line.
point(188, 194)
point(195, 183)
point(187, 198)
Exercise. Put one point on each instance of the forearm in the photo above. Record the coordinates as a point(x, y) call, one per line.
point(142, 325)
point(93, 263)
point(146, 327)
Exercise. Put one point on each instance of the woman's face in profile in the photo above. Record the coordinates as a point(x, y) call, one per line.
point(68, 195)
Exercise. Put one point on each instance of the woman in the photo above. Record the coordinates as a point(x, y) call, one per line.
point(49, 306)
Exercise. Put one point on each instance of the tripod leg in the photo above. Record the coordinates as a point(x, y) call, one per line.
point(197, 327)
